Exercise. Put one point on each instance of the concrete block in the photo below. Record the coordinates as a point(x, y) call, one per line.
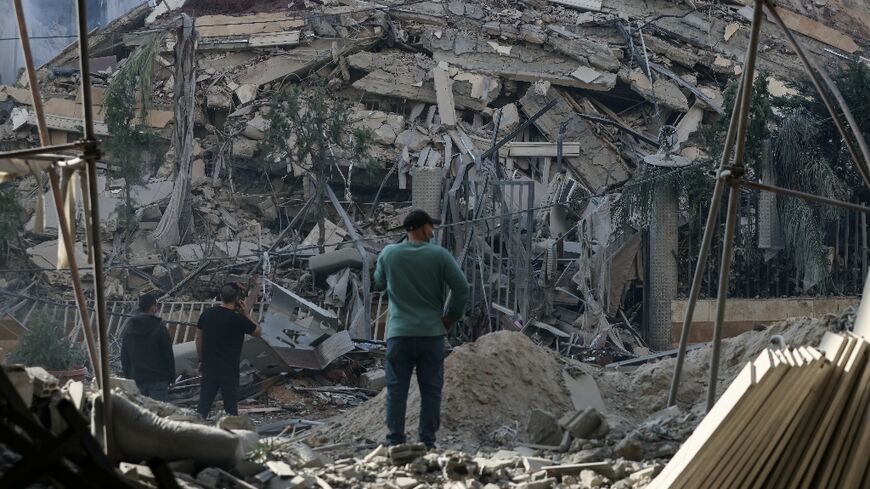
point(374, 379)
point(543, 429)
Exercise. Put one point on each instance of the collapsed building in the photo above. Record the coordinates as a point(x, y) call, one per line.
point(523, 126)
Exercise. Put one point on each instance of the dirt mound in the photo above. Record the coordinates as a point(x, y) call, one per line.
point(638, 394)
point(490, 383)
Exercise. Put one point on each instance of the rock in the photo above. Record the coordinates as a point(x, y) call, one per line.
point(591, 479)
point(533, 34)
point(384, 135)
point(630, 448)
point(491, 28)
point(402, 454)
point(509, 32)
point(246, 93)
point(374, 379)
point(216, 98)
point(623, 484)
point(663, 450)
point(406, 482)
point(474, 11)
point(236, 423)
point(159, 271)
point(256, 128)
point(396, 121)
point(644, 475)
point(510, 117)
point(539, 484)
point(267, 209)
point(591, 455)
point(543, 429)
point(244, 148)
point(456, 7)
point(588, 423)
point(616, 471)
point(413, 139)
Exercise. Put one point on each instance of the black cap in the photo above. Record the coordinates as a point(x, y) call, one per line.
point(417, 218)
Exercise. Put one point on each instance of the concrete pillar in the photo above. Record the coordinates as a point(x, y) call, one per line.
point(662, 280)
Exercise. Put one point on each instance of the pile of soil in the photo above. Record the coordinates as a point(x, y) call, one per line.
point(491, 383)
point(636, 395)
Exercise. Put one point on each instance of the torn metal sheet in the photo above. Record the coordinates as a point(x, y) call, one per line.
point(286, 307)
point(320, 356)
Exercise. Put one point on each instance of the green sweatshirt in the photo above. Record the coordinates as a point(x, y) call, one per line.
point(414, 275)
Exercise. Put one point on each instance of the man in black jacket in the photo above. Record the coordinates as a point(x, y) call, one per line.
point(146, 351)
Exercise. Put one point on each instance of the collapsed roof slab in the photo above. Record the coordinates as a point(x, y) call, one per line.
point(592, 53)
point(398, 75)
point(598, 165)
point(296, 62)
point(525, 62)
point(382, 83)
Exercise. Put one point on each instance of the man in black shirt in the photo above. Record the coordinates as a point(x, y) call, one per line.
point(146, 351)
point(221, 332)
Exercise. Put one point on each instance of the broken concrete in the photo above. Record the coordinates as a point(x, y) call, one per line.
point(599, 165)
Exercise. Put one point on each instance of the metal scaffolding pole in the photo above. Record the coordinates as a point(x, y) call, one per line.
point(712, 216)
point(62, 224)
point(91, 154)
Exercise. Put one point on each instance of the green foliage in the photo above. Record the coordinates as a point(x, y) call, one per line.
point(131, 137)
point(10, 211)
point(45, 344)
point(308, 125)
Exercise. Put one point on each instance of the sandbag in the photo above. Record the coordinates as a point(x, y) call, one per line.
point(140, 435)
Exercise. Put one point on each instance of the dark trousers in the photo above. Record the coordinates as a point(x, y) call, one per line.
point(229, 388)
point(404, 354)
point(159, 391)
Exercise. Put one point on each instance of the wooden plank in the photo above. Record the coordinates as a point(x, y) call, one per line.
point(839, 417)
point(833, 411)
point(823, 372)
point(836, 465)
point(816, 30)
point(836, 349)
point(736, 427)
point(747, 383)
point(780, 410)
point(444, 96)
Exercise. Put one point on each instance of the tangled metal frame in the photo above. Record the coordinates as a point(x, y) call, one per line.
point(731, 172)
point(88, 152)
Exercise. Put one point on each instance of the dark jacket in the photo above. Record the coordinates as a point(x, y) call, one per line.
point(146, 351)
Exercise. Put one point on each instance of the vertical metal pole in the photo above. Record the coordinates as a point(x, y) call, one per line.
point(724, 274)
point(90, 156)
point(733, 198)
point(529, 233)
point(62, 224)
point(715, 202)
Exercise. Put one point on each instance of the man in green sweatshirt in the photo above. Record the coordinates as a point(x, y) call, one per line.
point(414, 274)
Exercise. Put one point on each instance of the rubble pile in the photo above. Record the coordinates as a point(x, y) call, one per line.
point(409, 466)
point(492, 383)
point(642, 392)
